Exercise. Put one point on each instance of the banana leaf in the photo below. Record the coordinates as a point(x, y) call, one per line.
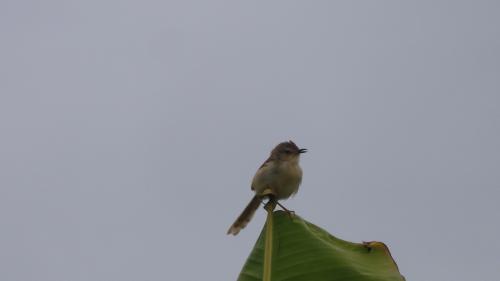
point(301, 251)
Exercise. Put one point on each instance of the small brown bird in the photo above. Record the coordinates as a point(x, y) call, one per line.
point(280, 173)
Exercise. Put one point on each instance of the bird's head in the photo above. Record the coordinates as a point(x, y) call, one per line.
point(287, 151)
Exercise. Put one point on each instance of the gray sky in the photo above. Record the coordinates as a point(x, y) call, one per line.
point(130, 131)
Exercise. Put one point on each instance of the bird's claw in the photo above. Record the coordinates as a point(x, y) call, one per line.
point(291, 214)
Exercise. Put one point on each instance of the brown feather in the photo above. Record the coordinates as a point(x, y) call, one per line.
point(245, 216)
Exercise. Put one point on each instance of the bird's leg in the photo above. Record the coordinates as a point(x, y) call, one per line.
point(290, 213)
point(272, 200)
point(270, 204)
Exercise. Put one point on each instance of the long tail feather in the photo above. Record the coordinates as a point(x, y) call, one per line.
point(245, 216)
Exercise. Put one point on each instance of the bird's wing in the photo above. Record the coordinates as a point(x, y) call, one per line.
point(263, 166)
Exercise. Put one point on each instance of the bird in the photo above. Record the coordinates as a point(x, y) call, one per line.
point(280, 175)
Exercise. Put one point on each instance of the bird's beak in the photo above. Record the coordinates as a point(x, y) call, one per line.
point(303, 150)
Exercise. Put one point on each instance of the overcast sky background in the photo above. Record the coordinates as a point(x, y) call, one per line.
point(130, 131)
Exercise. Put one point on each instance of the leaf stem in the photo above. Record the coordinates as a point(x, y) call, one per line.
point(268, 249)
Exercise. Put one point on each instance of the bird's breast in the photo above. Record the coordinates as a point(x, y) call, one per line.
point(283, 179)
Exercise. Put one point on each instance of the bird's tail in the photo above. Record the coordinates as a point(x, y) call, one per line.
point(245, 216)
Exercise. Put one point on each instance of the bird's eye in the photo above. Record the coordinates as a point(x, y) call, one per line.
point(288, 151)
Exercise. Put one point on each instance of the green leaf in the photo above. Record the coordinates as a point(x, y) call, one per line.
point(302, 251)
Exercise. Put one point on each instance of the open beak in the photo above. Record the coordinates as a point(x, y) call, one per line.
point(303, 150)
